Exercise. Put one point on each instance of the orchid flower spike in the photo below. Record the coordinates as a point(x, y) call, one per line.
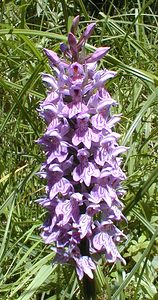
point(82, 167)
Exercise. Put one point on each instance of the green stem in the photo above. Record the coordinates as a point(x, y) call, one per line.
point(89, 289)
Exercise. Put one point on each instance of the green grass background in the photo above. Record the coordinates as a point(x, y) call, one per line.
point(130, 28)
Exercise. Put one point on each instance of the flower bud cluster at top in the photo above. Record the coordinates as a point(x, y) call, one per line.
point(82, 166)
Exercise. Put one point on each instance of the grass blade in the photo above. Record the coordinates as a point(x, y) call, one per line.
point(39, 279)
point(136, 267)
point(152, 178)
point(148, 103)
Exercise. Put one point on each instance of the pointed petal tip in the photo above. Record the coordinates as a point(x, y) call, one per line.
point(98, 54)
point(76, 20)
point(87, 33)
point(75, 23)
point(53, 57)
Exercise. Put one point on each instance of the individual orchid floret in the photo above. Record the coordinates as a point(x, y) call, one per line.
point(76, 74)
point(86, 224)
point(69, 209)
point(104, 241)
point(50, 81)
point(82, 166)
point(85, 170)
point(84, 265)
point(56, 182)
point(101, 77)
point(84, 134)
point(100, 193)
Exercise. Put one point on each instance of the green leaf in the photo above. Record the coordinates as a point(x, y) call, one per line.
point(31, 32)
point(4, 241)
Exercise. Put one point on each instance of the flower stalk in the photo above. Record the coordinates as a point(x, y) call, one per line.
point(82, 166)
point(89, 288)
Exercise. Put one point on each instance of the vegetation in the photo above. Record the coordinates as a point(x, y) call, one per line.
point(131, 32)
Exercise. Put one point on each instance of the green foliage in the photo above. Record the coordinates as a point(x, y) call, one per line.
point(131, 32)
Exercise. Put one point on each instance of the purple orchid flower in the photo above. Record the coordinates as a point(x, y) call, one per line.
point(82, 165)
point(85, 170)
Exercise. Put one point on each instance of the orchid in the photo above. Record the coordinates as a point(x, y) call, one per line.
point(82, 166)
